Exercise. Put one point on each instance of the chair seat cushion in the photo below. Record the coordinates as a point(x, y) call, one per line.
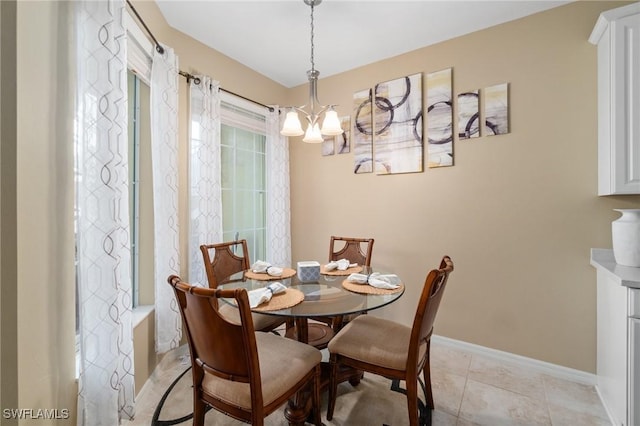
point(375, 341)
point(283, 362)
point(260, 321)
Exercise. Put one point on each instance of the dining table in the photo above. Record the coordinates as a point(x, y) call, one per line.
point(332, 295)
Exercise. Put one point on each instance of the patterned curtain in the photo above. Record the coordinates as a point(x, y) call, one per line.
point(205, 193)
point(164, 158)
point(278, 207)
point(106, 385)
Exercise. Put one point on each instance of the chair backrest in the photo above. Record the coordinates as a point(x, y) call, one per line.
point(432, 292)
point(224, 259)
point(217, 346)
point(356, 250)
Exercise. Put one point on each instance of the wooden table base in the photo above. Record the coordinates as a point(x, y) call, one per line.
point(314, 334)
point(318, 335)
point(299, 409)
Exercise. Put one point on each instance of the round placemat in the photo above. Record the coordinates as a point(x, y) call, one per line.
point(286, 273)
point(288, 298)
point(367, 289)
point(348, 271)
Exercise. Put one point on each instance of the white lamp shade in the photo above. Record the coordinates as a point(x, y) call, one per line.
point(313, 134)
point(292, 126)
point(331, 124)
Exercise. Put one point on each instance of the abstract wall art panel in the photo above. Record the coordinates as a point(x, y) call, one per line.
point(343, 141)
point(468, 115)
point(328, 145)
point(440, 119)
point(496, 109)
point(363, 131)
point(397, 115)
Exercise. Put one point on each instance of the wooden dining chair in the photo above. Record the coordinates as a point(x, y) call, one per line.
point(225, 259)
point(236, 370)
point(355, 250)
point(392, 350)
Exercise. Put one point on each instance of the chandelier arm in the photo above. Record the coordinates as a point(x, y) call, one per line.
point(322, 109)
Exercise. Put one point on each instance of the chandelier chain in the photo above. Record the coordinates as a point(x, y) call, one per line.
point(313, 67)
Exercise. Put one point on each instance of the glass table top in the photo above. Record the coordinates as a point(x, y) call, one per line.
point(326, 297)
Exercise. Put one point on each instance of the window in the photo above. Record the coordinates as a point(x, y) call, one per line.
point(244, 186)
point(140, 199)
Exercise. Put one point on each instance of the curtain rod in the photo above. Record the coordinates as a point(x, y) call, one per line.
point(159, 48)
point(196, 80)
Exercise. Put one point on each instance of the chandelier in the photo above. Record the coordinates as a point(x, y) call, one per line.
point(331, 124)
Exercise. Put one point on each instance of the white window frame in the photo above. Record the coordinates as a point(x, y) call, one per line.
point(139, 50)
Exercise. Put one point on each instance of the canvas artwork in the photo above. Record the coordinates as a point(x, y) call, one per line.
point(468, 115)
point(398, 125)
point(440, 119)
point(496, 109)
point(343, 141)
point(362, 132)
point(328, 145)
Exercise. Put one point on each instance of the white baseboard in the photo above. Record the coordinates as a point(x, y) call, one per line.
point(553, 370)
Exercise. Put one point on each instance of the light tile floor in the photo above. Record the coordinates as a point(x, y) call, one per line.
point(474, 390)
point(478, 390)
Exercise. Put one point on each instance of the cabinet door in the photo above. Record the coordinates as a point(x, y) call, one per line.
point(612, 346)
point(634, 372)
point(625, 87)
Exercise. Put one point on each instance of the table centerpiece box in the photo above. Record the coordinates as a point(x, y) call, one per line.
point(308, 271)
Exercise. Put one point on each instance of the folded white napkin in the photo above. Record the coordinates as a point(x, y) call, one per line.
point(376, 279)
point(340, 265)
point(263, 295)
point(262, 267)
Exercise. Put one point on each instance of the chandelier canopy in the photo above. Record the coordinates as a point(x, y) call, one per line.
point(331, 124)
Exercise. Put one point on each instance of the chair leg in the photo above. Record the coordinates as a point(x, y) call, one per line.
point(337, 323)
point(198, 411)
point(289, 324)
point(426, 374)
point(333, 385)
point(316, 397)
point(412, 400)
point(257, 420)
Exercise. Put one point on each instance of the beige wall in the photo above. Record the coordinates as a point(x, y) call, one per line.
point(145, 359)
point(45, 256)
point(518, 213)
point(8, 217)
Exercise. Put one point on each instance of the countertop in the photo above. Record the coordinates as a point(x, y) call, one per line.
point(602, 259)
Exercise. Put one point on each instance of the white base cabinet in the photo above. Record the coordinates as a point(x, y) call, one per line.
point(634, 368)
point(617, 35)
point(618, 328)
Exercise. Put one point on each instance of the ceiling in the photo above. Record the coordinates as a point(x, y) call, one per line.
point(274, 37)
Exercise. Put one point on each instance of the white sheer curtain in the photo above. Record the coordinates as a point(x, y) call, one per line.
point(278, 203)
point(106, 385)
point(205, 193)
point(164, 158)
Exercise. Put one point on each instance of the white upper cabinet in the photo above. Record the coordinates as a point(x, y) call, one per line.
point(617, 35)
